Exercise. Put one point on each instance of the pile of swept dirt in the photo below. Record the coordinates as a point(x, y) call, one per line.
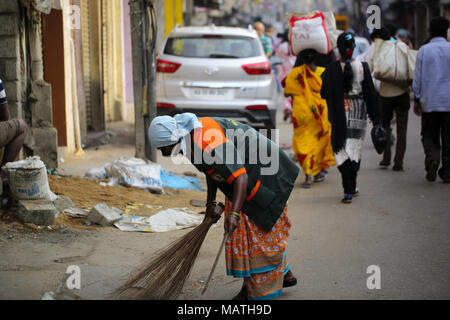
point(88, 193)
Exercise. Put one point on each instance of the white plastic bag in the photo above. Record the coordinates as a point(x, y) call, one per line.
point(164, 221)
point(28, 180)
point(309, 32)
point(136, 173)
point(96, 173)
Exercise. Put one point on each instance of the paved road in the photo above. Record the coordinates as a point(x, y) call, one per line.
point(399, 223)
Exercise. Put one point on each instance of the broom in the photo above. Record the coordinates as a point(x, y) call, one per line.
point(163, 277)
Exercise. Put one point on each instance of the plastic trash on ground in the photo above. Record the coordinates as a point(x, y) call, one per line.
point(138, 173)
point(170, 180)
point(164, 221)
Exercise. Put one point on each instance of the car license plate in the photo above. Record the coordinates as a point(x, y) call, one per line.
point(210, 93)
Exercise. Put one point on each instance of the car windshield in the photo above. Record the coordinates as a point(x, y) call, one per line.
point(219, 47)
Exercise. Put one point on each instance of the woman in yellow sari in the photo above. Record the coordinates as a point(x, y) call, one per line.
point(312, 130)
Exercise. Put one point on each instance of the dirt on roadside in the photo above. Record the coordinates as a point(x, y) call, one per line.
point(88, 193)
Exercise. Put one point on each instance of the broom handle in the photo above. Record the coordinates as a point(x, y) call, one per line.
point(215, 263)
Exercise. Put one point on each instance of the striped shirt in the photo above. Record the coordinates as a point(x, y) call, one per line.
point(267, 44)
point(2, 93)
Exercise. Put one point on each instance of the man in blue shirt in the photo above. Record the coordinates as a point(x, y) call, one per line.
point(432, 90)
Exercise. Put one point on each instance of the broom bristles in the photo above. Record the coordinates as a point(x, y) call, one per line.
point(164, 276)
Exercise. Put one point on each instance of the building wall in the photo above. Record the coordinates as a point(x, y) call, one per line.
point(70, 78)
point(10, 62)
point(112, 59)
point(54, 72)
point(127, 54)
point(161, 18)
point(128, 109)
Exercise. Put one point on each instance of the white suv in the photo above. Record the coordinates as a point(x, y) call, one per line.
point(217, 72)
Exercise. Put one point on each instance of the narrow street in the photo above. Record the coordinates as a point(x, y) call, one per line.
point(95, 95)
point(399, 223)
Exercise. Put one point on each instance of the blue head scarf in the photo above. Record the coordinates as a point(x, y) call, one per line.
point(167, 131)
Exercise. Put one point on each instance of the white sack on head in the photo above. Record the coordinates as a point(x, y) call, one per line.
point(309, 32)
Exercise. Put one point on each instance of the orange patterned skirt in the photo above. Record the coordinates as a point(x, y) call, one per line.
point(258, 256)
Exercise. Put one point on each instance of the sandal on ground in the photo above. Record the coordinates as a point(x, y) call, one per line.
point(385, 163)
point(432, 171)
point(307, 185)
point(242, 295)
point(348, 198)
point(290, 281)
point(320, 177)
point(308, 182)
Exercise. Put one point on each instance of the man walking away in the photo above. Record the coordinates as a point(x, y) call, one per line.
point(431, 87)
point(394, 98)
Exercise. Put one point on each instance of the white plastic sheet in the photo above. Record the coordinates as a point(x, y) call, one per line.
point(131, 172)
point(164, 221)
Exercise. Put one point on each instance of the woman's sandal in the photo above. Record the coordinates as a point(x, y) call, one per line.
point(308, 182)
point(242, 295)
point(320, 177)
point(289, 281)
point(307, 185)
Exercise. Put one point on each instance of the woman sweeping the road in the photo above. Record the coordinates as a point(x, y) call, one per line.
point(351, 97)
point(233, 157)
point(312, 130)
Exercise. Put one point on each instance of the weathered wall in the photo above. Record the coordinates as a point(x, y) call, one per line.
point(128, 110)
point(10, 63)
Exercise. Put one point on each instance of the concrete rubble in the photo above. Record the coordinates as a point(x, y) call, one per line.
point(37, 212)
point(76, 213)
point(103, 215)
point(62, 203)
